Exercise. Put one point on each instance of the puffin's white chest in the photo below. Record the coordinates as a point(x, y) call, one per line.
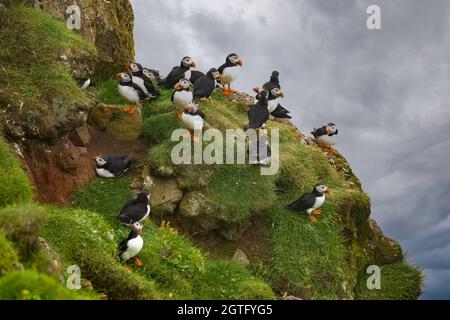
point(181, 99)
point(104, 173)
point(319, 202)
point(140, 83)
point(129, 93)
point(272, 105)
point(188, 74)
point(230, 74)
point(192, 122)
point(326, 141)
point(133, 247)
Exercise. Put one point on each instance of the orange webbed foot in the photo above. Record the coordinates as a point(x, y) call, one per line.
point(130, 268)
point(313, 219)
point(316, 212)
point(138, 262)
point(196, 139)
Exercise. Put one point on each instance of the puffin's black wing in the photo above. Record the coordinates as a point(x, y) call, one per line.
point(195, 75)
point(203, 88)
point(319, 132)
point(150, 87)
point(117, 164)
point(281, 112)
point(257, 116)
point(305, 202)
point(132, 211)
point(174, 76)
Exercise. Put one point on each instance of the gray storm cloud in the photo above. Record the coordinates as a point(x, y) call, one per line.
point(387, 90)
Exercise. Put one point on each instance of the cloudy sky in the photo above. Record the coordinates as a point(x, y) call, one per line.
point(387, 90)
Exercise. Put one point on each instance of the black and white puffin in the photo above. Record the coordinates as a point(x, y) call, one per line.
point(310, 202)
point(193, 119)
point(112, 166)
point(132, 245)
point(178, 72)
point(130, 90)
point(152, 74)
point(324, 134)
point(229, 71)
point(182, 96)
point(204, 86)
point(138, 77)
point(84, 83)
point(135, 210)
point(275, 93)
point(259, 112)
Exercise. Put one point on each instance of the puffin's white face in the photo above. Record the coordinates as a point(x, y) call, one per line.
point(134, 67)
point(100, 161)
point(216, 75)
point(148, 74)
point(331, 128)
point(277, 92)
point(234, 59)
point(125, 77)
point(322, 188)
point(193, 107)
point(137, 226)
point(188, 62)
point(183, 84)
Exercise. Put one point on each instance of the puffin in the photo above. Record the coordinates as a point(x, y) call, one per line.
point(112, 166)
point(275, 93)
point(135, 210)
point(273, 82)
point(324, 136)
point(204, 86)
point(132, 245)
point(178, 72)
point(138, 77)
point(259, 112)
point(310, 202)
point(229, 71)
point(182, 96)
point(130, 90)
point(152, 74)
point(84, 83)
point(193, 119)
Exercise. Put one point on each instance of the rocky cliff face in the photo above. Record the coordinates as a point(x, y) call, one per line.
point(231, 211)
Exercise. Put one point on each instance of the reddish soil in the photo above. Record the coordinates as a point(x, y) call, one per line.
point(57, 170)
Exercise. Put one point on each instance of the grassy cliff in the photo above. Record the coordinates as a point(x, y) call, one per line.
point(324, 260)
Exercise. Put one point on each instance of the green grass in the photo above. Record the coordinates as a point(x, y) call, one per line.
point(178, 269)
point(35, 82)
point(14, 184)
point(399, 281)
point(158, 128)
point(8, 259)
point(106, 92)
point(32, 285)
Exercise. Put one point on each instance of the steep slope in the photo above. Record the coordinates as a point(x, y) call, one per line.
point(213, 209)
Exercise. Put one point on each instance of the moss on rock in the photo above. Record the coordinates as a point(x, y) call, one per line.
point(14, 184)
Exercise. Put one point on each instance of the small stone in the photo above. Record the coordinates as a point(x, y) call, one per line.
point(240, 257)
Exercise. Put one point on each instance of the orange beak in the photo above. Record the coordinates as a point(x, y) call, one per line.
point(256, 89)
point(178, 86)
point(94, 158)
point(128, 66)
point(328, 191)
point(281, 94)
point(241, 62)
point(193, 64)
point(118, 75)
